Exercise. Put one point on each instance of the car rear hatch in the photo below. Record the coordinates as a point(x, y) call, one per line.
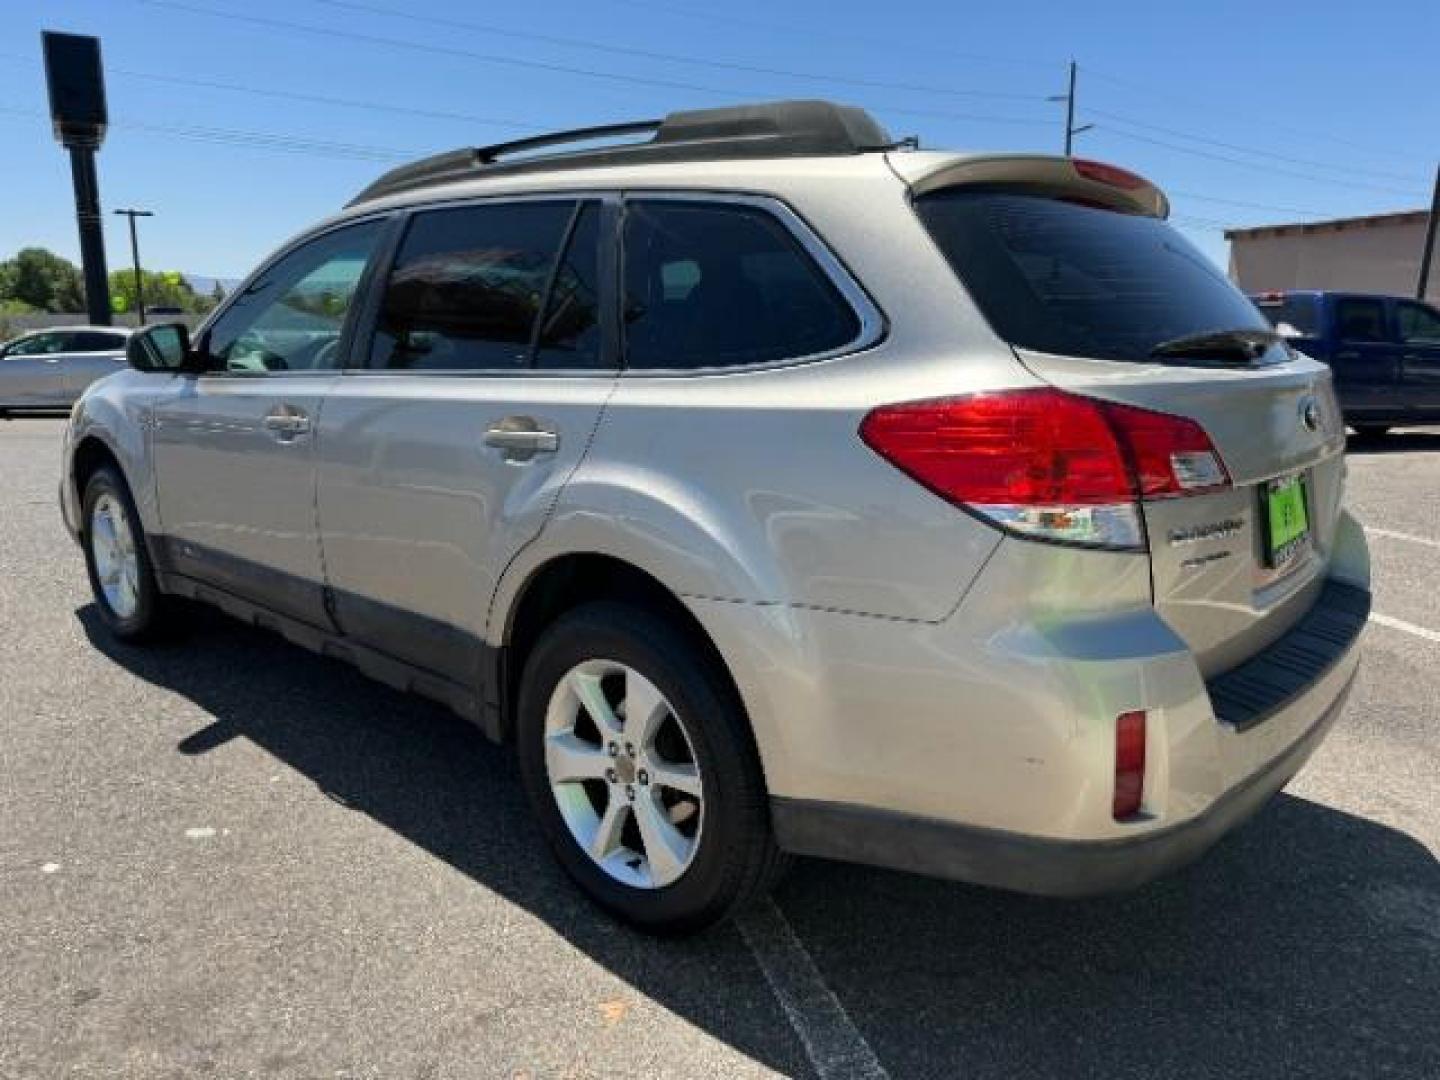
point(1073, 264)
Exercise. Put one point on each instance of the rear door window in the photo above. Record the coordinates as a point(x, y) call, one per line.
point(713, 285)
point(569, 332)
point(1075, 280)
point(467, 287)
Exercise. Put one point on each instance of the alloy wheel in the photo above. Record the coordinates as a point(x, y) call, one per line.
point(117, 565)
point(624, 774)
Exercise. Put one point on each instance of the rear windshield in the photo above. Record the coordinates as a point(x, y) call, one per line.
point(1063, 278)
point(1293, 316)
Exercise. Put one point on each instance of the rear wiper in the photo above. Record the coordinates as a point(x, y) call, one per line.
point(1246, 345)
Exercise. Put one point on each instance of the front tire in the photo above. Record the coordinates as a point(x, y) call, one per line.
point(121, 575)
point(636, 755)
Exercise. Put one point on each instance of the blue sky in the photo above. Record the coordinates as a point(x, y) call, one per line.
point(1246, 113)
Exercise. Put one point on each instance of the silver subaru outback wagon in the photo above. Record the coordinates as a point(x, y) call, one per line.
point(774, 488)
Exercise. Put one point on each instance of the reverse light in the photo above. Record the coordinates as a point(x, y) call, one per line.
point(1048, 464)
point(1129, 764)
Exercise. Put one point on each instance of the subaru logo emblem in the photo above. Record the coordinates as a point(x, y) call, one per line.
point(1310, 414)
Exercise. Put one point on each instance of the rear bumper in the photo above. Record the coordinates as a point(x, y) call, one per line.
point(983, 747)
point(1034, 864)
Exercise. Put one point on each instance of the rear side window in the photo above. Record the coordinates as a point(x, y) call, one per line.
point(467, 288)
point(1294, 316)
point(1419, 323)
point(96, 341)
point(1059, 277)
point(723, 285)
point(1360, 318)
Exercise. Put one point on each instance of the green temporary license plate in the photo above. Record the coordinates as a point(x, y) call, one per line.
point(1287, 520)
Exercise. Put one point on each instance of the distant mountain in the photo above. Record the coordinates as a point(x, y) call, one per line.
point(206, 285)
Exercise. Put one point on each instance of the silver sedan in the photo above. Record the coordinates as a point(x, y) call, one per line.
point(49, 369)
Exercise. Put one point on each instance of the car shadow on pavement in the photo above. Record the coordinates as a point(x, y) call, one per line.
point(1308, 943)
point(1399, 441)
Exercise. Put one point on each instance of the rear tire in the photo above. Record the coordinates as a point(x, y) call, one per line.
point(121, 575)
point(634, 746)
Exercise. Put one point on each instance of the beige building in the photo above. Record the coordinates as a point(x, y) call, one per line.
point(1379, 254)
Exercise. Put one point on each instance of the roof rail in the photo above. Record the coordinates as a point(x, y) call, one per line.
point(768, 129)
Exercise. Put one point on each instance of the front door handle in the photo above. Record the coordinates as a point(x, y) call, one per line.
point(522, 437)
point(287, 422)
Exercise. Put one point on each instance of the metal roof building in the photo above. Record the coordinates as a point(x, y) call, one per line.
point(1377, 254)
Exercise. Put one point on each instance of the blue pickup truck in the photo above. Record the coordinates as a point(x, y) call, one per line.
point(1383, 350)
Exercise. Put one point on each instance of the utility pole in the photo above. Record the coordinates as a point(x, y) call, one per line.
point(1069, 98)
point(135, 256)
point(1424, 283)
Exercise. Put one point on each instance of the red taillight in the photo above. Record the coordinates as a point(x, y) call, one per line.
point(1043, 462)
point(1112, 175)
point(1129, 764)
point(1171, 455)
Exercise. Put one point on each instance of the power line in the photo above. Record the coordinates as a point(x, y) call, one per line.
point(1247, 205)
point(256, 140)
point(330, 33)
point(1208, 224)
point(1250, 115)
point(1250, 149)
point(909, 44)
point(315, 99)
point(676, 58)
point(1269, 169)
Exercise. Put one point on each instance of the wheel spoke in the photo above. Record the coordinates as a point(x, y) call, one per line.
point(105, 530)
point(606, 839)
point(677, 776)
point(666, 850)
point(587, 688)
point(645, 709)
point(570, 759)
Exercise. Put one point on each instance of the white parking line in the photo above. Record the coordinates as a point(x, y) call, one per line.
point(1408, 627)
point(834, 1045)
point(1393, 535)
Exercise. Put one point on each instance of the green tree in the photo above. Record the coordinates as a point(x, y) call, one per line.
point(164, 288)
point(43, 280)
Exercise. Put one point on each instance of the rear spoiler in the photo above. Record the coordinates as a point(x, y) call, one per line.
point(1079, 179)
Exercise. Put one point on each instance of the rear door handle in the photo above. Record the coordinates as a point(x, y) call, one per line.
point(287, 422)
point(522, 437)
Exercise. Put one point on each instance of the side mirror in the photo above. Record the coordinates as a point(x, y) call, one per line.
point(161, 347)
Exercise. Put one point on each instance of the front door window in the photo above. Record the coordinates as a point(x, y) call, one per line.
point(290, 318)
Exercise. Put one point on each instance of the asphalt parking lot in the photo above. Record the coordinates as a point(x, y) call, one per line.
point(227, 857)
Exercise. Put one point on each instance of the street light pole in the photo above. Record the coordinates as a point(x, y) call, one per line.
point(135, 256)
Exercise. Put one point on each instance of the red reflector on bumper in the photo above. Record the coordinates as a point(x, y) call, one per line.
point(1129, 764)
